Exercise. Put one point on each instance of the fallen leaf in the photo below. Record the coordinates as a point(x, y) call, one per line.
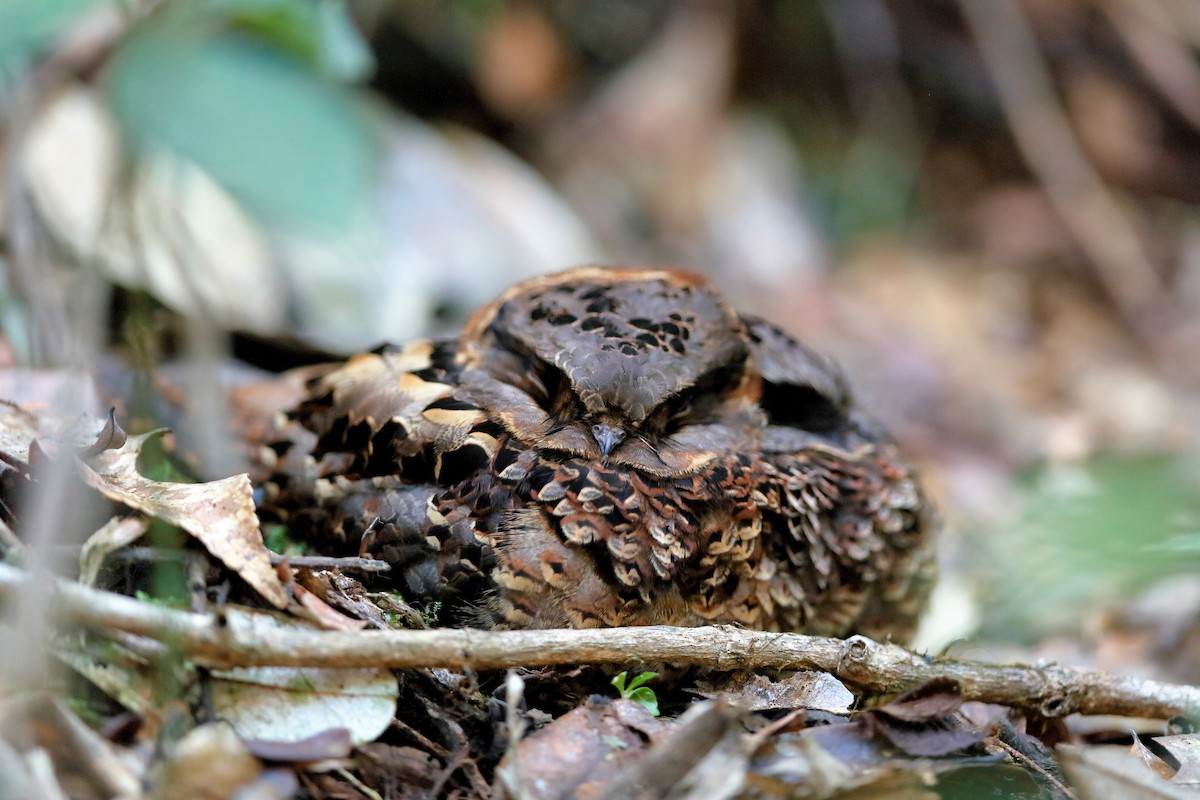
point(924, 721)
point(111, 437)
point(409, 767)
point(1105, 772)
point(932, 699)
point(219, 513)
point(225, 267)
point(189, 769)
point(314, 608)
point(331, 743)
point(576, 754)
point(702, 756)
point(131, 687)
point(21, 426)
point(1186, 750)
point(324, 614)
point(379, 610)
point(290, 704)
point(1152, 760)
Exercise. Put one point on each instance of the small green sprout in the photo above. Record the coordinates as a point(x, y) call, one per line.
point(278, 539)
point(431, 612)
point(637, 690)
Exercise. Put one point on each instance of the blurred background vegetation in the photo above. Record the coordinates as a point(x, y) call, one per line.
point(988, 210)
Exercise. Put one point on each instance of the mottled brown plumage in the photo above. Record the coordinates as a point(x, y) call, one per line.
point(618, 447)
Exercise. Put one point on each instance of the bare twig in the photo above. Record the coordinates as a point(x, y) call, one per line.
point(510, 773)
point(869, 666)
point(88, 751)
point(1035, 757)
point(344, 563)
point(1103, 228)
point(1162, 52)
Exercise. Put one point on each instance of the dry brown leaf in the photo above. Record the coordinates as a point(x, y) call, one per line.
point(111, 437)
point(1185, 748)
point(23, 425)
point(219, 513)
point(127, 679)
point(313, 607)
point(575, 755)
point(324, 614)
point(924, 721)
point(1151, 759)
point(1104, 772)
point(930, 700)
point(189, 770)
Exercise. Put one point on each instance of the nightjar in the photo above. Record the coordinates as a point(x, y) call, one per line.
point(615, 447)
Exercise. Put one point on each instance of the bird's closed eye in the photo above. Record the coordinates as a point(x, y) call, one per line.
point(552, 390)
point(693, 406)
point(700, 402)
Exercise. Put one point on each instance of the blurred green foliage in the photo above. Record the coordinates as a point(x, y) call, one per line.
point(157, 464)
point(26, 26)
point(256, 93)
point(278, 539)
point(319, 33)
point(242, 89)
point(1089, 535)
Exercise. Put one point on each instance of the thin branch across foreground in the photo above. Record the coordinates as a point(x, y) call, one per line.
point(236, 640)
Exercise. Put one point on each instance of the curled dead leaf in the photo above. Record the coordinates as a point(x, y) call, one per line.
point(220, 514)
point(111, 437)
point(331, 743)
point(924, 721)
point(930, 700)
point(574, 755)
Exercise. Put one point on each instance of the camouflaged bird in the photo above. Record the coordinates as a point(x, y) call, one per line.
point(618, 447)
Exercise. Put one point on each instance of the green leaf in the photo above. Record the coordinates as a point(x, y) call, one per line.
point(29, 25)
point(318, 32)
point(155, 463)
point(295, 148)
point(636, 690)
point(642, 679)
point(278, 539)
point(647, 698)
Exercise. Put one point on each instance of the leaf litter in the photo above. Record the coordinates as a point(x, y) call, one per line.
point(1071, 395)
point(794, 735)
